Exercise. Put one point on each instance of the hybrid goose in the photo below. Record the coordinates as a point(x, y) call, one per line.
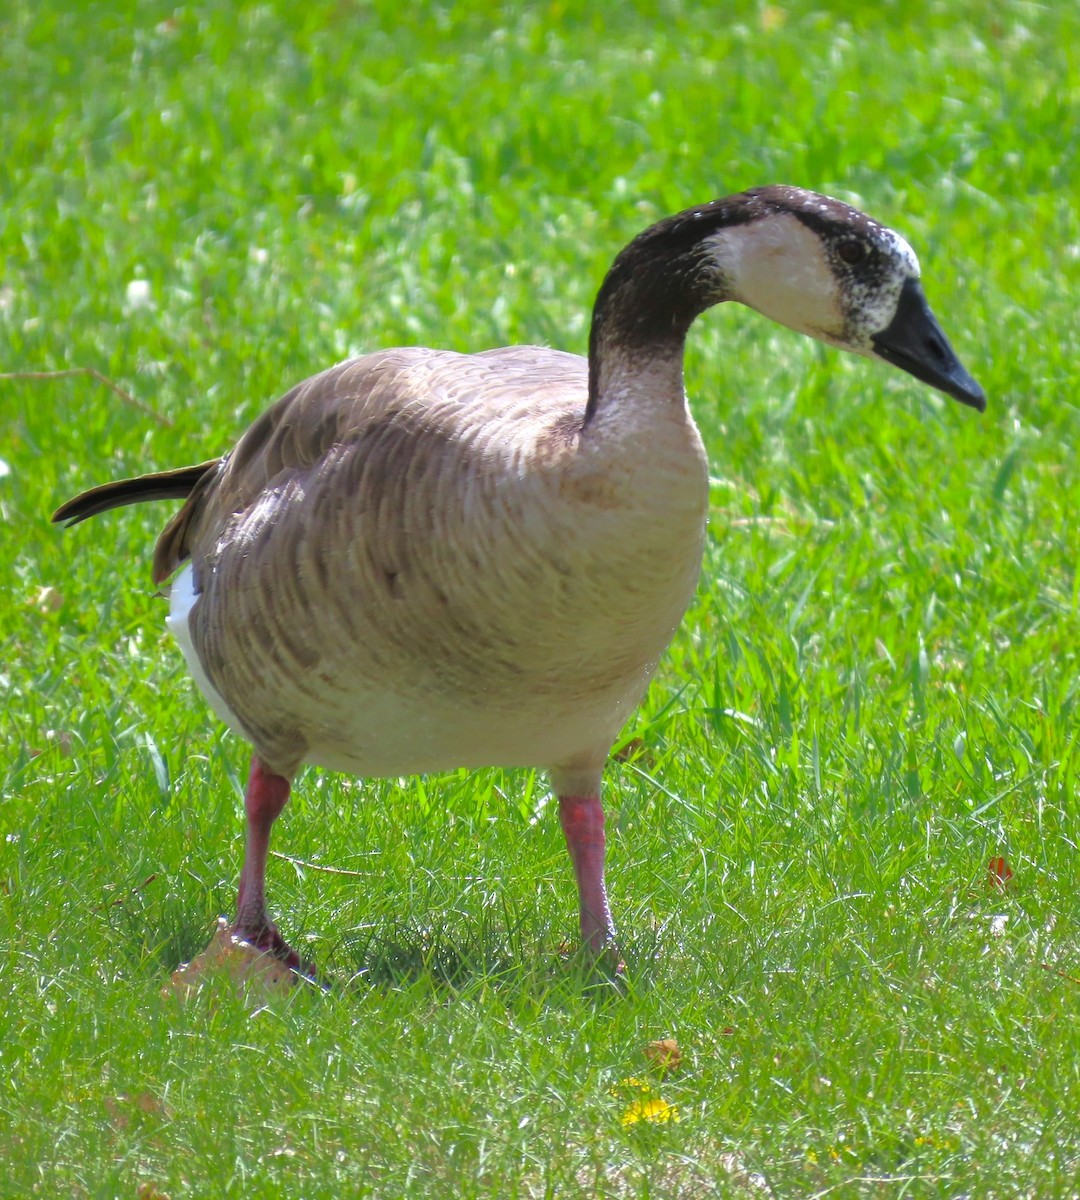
point(420, 560)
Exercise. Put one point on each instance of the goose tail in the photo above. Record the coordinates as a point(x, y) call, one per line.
point(162, 485)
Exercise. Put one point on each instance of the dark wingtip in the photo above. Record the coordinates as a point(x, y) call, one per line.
point(78, 509)
point(72, 512)
point(162, 485)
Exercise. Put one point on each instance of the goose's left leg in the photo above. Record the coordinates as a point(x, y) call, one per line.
point(264, 799)
point(582, 820)
point(577, 784)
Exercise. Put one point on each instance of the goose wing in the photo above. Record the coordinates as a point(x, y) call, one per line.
point(389, 413)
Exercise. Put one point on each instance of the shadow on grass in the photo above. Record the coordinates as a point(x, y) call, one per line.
point(453, 962)
point(450, 959)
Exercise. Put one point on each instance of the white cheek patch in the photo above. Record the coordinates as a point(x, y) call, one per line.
point(784, 268)
point(778, 267)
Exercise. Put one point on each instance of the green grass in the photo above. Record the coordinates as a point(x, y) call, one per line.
point(874, 693)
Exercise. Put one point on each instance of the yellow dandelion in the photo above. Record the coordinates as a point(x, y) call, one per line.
point(654, 1110)
point(630, 1084)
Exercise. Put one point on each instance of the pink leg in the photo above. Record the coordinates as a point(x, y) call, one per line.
point(265, 798)
point(582, 819)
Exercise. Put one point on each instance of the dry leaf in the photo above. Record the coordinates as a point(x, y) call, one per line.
point(631, 749)
point(148, 1190)
point(664, 1055)
point(147, 1102)
point(121, 1108)
point(245, 965)
point(118, 1118)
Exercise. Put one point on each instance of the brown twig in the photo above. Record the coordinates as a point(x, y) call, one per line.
point(127, 397)
point(299, 862)
point(134, 891)
point(1049, 967)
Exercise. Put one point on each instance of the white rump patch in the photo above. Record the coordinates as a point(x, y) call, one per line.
point(182, 597)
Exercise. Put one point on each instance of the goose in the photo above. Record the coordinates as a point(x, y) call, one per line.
point(421, 560)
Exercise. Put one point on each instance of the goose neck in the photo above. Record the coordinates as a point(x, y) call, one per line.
point(622, 379)
point(656, 288)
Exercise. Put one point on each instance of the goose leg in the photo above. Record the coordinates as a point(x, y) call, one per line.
point(582, 820)
point(264, 799)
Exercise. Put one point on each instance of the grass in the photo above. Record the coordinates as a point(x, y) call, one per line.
point(873, 695)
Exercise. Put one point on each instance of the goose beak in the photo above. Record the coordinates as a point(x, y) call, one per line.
point(915, 342)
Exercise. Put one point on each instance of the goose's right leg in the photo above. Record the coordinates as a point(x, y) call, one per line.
point(264, 799)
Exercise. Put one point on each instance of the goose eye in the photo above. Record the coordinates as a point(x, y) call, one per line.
point(852, 252)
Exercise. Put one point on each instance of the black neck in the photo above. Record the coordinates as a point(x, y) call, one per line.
point(657, 286)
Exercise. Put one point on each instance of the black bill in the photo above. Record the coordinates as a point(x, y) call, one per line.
point(915, 342)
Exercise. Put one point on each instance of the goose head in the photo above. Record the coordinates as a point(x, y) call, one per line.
point(806, 261)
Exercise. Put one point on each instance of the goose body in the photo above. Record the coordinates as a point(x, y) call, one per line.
point(453, 612)
point(419, 560)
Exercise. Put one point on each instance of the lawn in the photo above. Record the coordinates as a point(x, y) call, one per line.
point(874, 696)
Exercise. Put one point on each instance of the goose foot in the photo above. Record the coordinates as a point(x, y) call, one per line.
point(229, 954)
point(268, 940)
